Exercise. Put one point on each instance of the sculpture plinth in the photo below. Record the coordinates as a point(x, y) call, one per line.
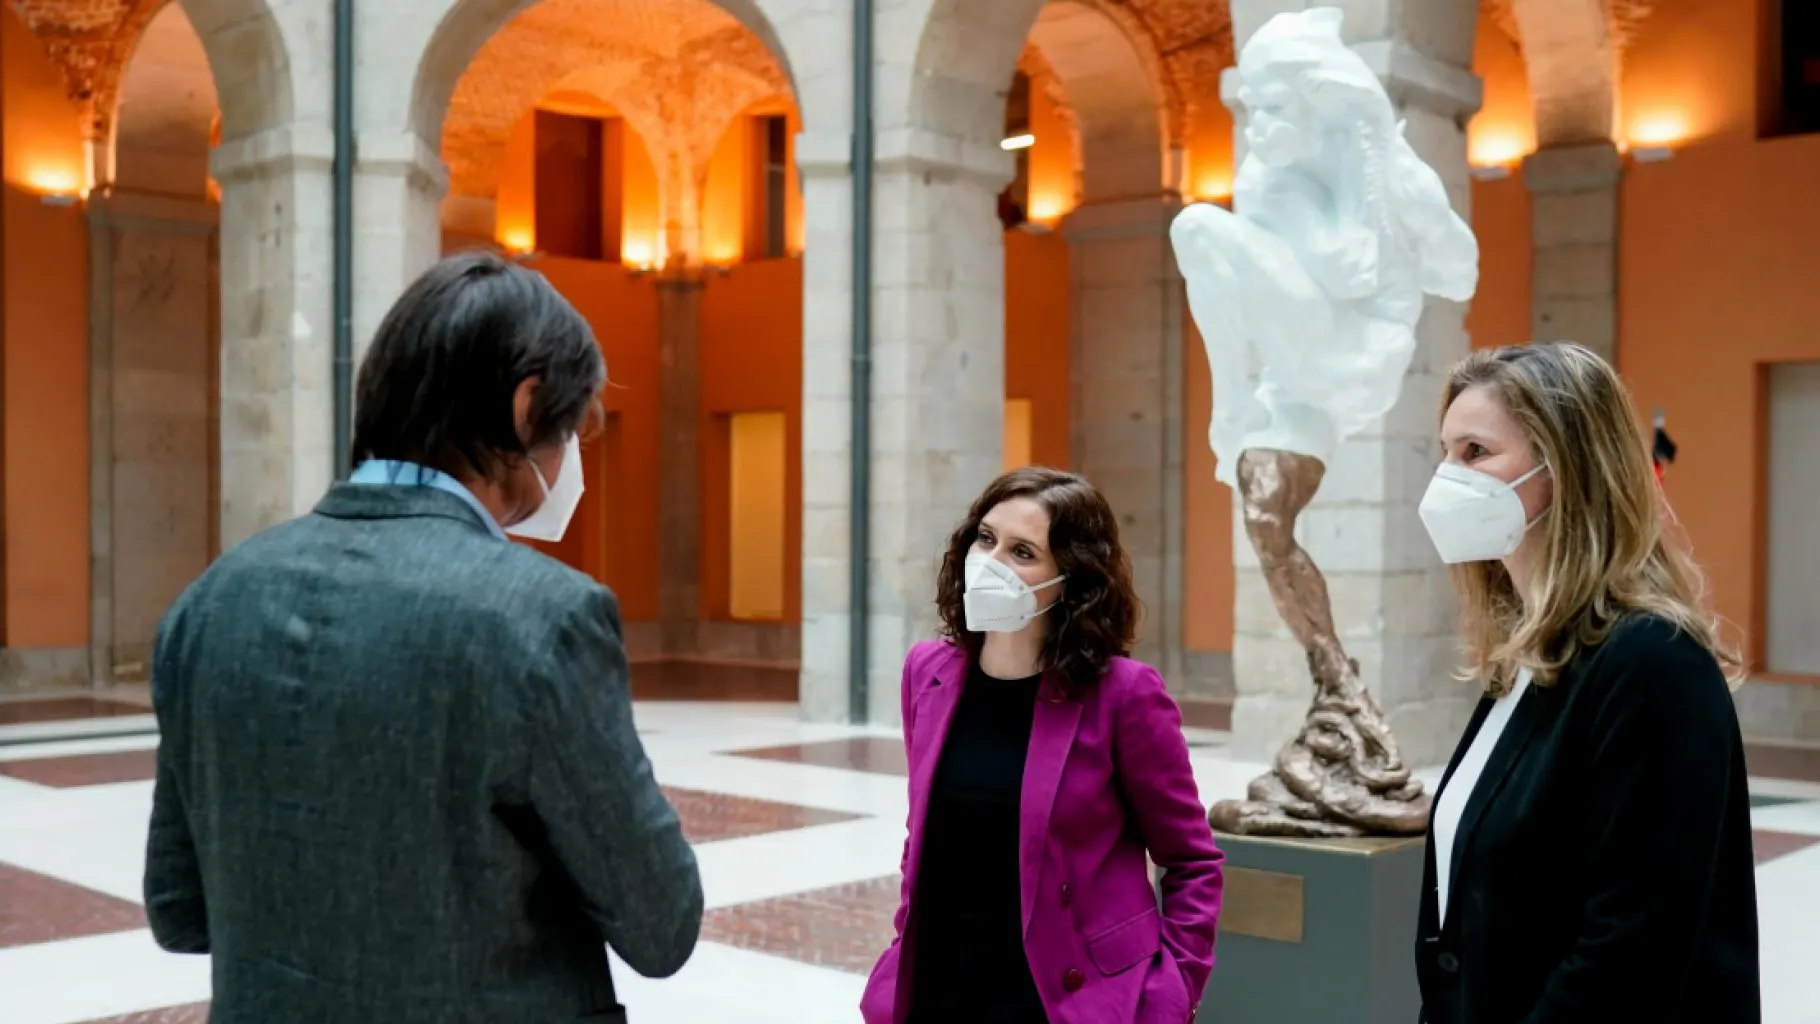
point(1338, 232)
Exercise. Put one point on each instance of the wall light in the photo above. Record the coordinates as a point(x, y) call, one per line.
point(1016, 142)
point(1651, 154)
point(56, 186)
point(638, 254)
point(1493, 152)
point(1657, 131)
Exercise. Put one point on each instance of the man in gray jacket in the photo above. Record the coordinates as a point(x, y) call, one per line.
point(399, 780)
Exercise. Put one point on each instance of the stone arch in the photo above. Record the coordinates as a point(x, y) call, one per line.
point(451, 45)
point(1113, 83)
point(1571, 52)
point(166, 113)
point(251, 65)
point(673, 69)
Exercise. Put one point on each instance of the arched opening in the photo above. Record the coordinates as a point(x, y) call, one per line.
point(114, 319)
point(155, 342)
point(1094, 381)
point(1093, 109)
point(640, 154)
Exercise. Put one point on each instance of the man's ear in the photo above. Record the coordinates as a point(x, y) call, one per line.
point(522, 397)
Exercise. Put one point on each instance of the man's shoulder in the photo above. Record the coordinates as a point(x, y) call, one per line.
point(444, 560)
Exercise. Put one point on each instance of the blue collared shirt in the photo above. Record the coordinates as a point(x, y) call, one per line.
point(410, 474)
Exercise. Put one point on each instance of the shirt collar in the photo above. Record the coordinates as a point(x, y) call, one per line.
point(400, 473)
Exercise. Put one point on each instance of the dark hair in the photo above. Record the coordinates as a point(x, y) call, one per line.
point(437, 385)
point(1096, 617)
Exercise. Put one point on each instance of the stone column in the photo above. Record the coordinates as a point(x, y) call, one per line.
point(679, 291)
point(399, 182)
point(937, 402)
point(276, 398)
point(824, 163)
point(1574, 234)
point(1127, 397)
point(152, 356)
point(1392, 601)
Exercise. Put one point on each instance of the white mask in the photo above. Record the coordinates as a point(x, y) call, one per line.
point(551, 520)
point(1473, 516)
point(996, 600)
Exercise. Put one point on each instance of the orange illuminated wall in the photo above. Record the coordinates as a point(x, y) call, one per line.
point(1207, 573)
point(1715, 277)
point(1038, 339)
point(1504, 129)
point(514, 214)
point(1054, 182)
point(1209, 159)
point(751, 362)
point(1502, 133)
point(1691, 73)
point(616, 531)
point(727, 187)
point(46, 403)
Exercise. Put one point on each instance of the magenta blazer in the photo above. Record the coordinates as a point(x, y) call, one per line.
point(1107, 779)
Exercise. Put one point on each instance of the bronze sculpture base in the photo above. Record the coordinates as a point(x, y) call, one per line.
point(1342, 775)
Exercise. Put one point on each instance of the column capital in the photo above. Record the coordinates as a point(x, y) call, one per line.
point(1411, 78)
point(914, 150)
point(169, 214)
point(402, 154)
point(920, 151)
point(1143, 217)
point(824, 154)
point(290, 148)
point(1580, 167)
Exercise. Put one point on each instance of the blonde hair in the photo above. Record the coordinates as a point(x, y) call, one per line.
point(1605, 553)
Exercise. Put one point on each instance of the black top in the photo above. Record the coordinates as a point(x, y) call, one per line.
point(1602, 868)
point(970, 963)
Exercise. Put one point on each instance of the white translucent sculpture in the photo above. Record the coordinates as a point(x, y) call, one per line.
point(1338, 229)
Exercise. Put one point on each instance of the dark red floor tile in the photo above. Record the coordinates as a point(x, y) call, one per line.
point(875, 754)
point(86, 769)
point(193, 1013)
point(35, 908)
point(843, 926)
point(1770, 845)
point(707, 817)
point(63, 709)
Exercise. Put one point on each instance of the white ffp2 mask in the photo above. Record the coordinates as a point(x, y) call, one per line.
point(1473, 516)
point(996, 600)
point(551, 520)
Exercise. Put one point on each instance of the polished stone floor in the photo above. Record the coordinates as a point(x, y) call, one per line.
point(799, 830)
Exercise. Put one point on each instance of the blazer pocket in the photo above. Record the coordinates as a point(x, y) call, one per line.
point(1127, 944)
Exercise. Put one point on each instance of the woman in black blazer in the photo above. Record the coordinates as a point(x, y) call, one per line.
point(1590, 854)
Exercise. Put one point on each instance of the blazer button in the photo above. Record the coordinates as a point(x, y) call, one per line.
point(1073, 980)
point(1067, 895)
point(1448, 962)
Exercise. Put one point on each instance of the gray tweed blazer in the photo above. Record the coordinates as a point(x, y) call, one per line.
point(399, 781)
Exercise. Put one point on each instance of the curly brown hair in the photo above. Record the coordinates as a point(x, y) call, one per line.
point(1096, 618)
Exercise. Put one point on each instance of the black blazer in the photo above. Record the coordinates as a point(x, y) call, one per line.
point(1602, 867)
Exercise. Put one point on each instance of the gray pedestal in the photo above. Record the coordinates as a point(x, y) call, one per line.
point(1317, 931)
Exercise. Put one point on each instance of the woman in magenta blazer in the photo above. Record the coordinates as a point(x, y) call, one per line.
point(1044, 765)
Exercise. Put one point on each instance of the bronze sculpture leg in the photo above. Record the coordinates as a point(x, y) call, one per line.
point(1342, 775)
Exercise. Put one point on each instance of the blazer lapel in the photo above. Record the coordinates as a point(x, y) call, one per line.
point(1509, 749)
point(1052, 730)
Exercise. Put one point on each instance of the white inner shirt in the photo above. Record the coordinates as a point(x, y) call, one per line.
point(1465, 779)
